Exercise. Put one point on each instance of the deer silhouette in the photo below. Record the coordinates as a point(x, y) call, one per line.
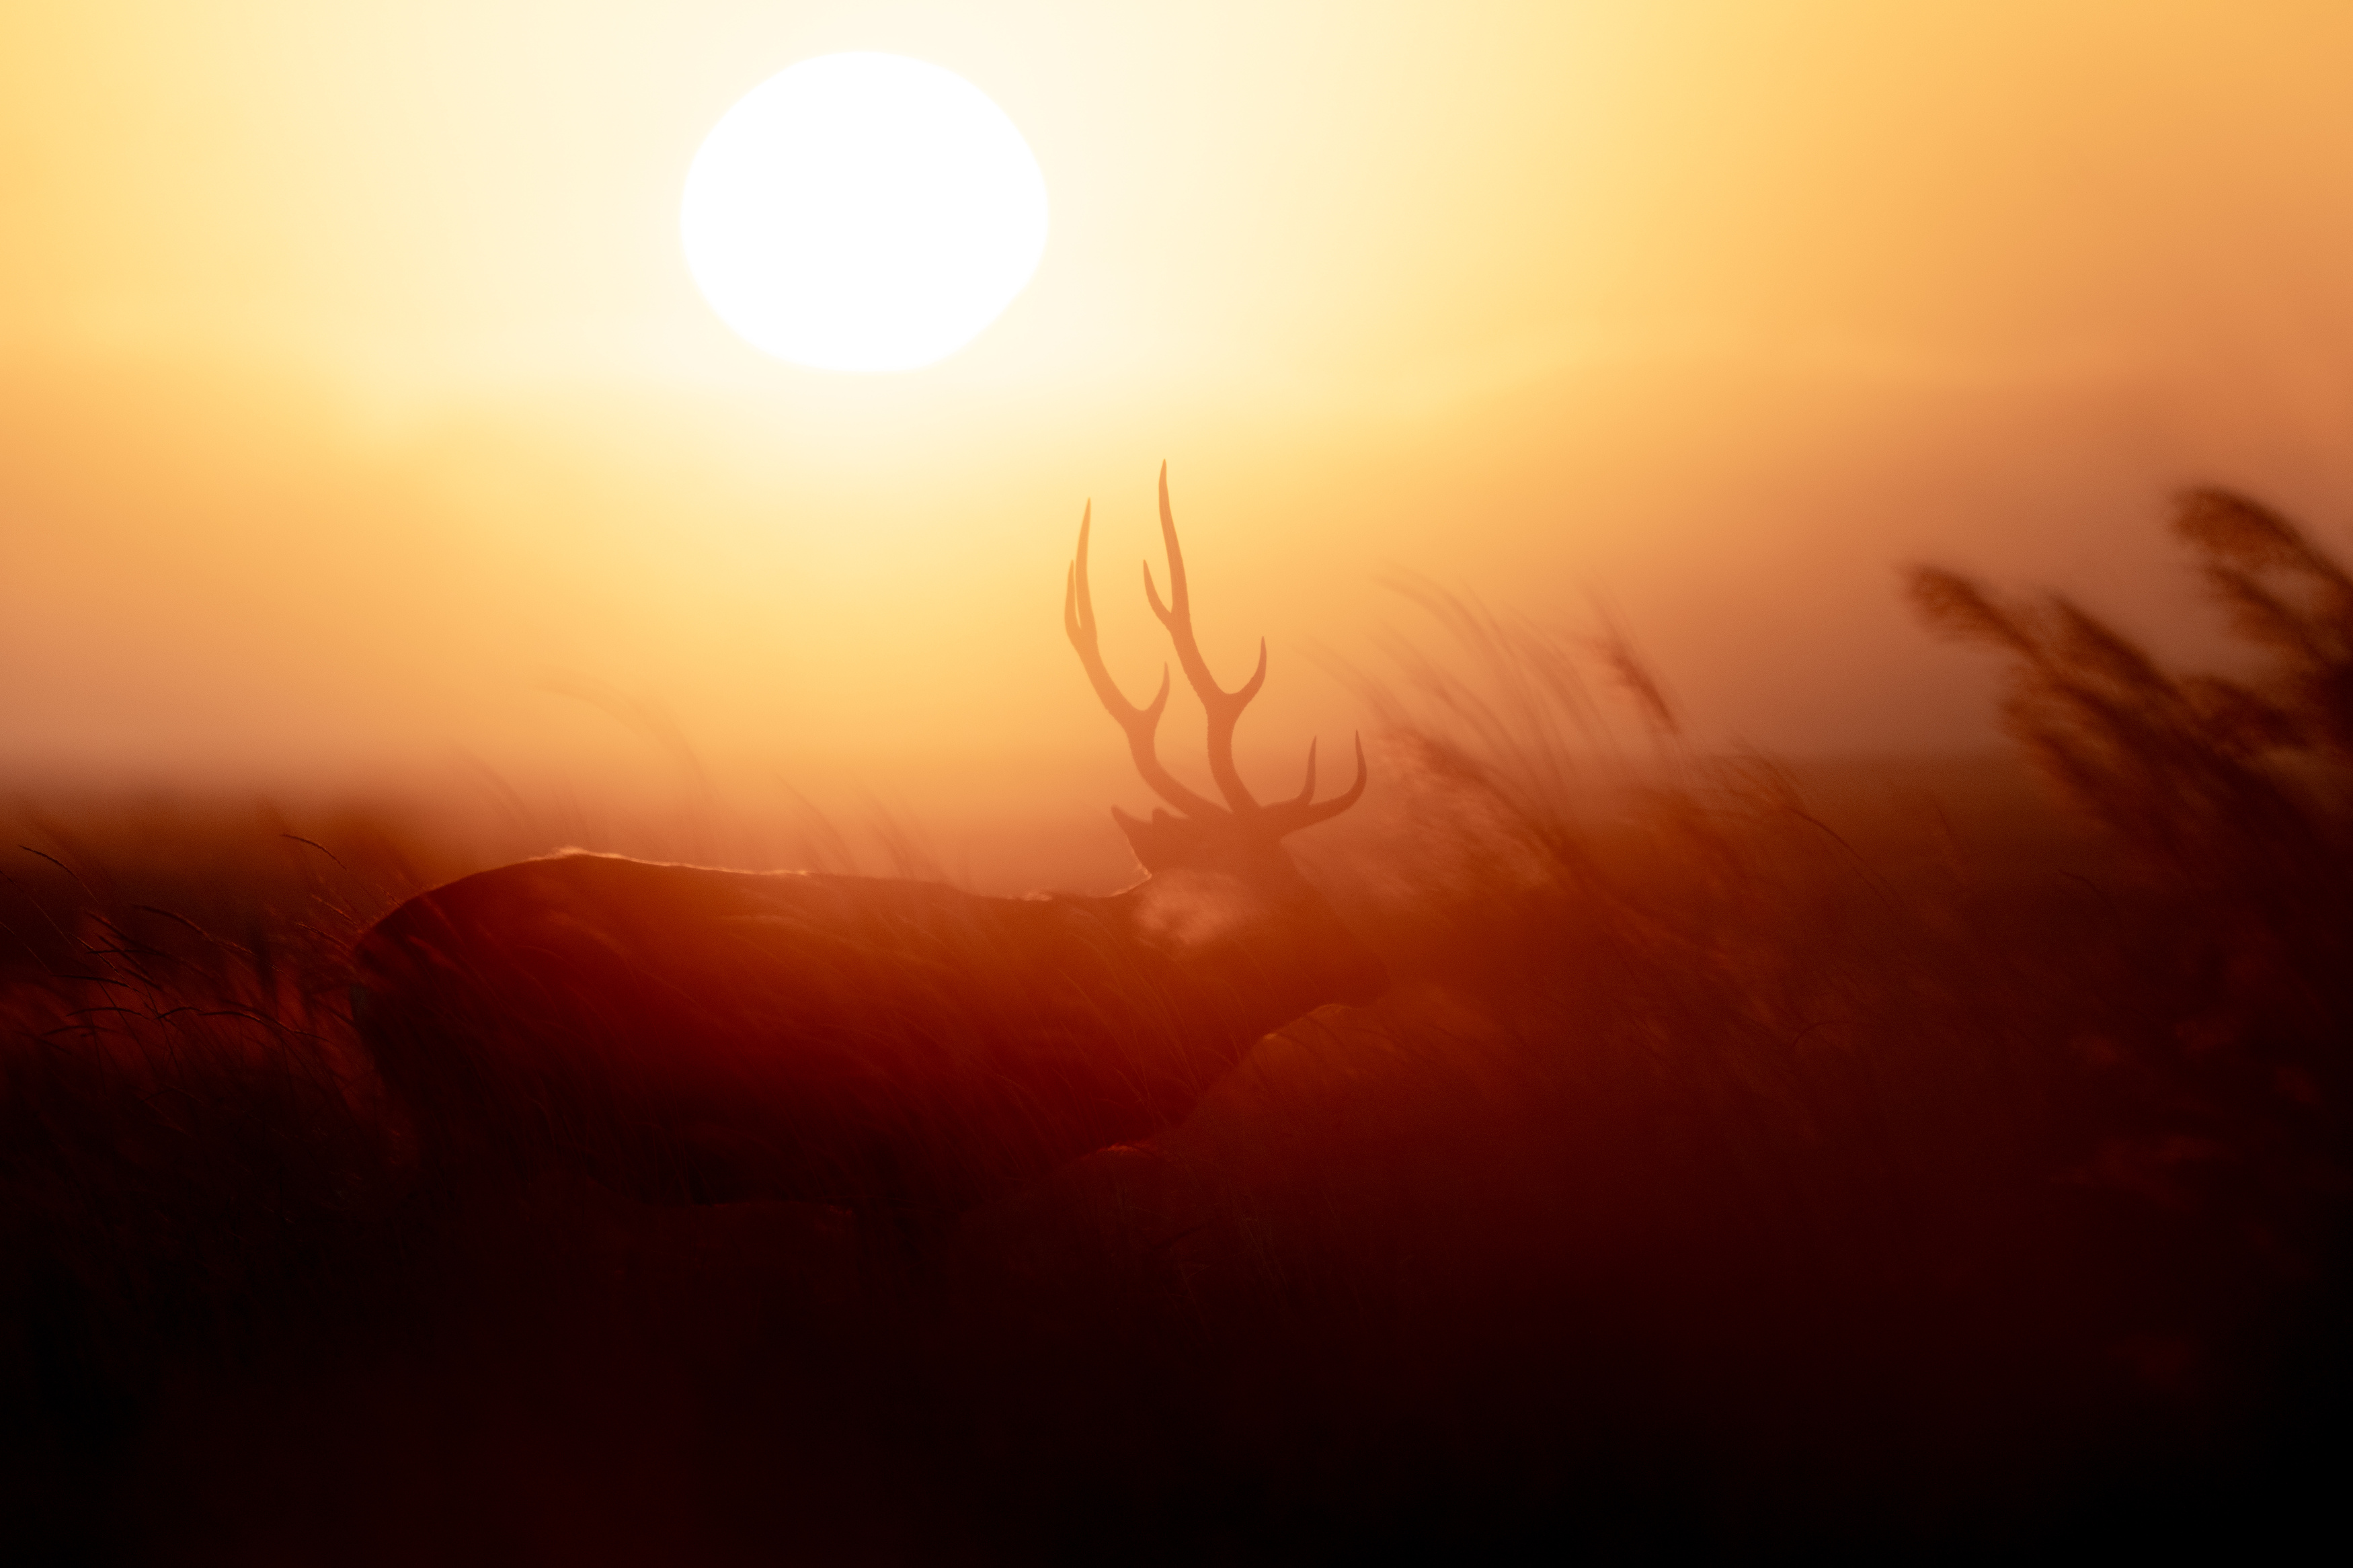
point(689, 1035)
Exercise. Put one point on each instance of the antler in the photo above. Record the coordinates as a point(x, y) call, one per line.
point(1078, 623)
point(1303, 810)
point(1224, 707)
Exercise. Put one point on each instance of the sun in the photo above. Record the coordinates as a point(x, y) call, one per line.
point(862, 212)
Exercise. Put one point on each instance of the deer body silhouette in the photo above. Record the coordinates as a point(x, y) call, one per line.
point(685, 1033)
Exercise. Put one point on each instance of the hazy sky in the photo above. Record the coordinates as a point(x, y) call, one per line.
point(353, 389)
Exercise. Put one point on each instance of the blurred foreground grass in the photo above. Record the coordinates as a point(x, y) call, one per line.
point(1742, 1164)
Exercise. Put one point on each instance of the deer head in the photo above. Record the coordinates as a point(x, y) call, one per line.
point(1220, 887)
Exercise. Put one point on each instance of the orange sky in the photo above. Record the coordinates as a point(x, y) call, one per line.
point(353, 389)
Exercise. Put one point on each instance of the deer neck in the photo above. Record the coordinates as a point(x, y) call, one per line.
point(1215, 935)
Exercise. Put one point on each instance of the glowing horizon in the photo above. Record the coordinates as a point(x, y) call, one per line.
point(353, 381)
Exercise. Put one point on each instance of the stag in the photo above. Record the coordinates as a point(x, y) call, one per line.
point(688, 1035)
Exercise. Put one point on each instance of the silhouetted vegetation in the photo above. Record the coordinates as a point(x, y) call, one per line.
point(1743, 1161)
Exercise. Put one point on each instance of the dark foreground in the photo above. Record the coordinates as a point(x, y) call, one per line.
point(1738, 1169)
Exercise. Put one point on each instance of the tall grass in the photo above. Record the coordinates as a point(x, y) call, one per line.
point(1718, 1178)
point(2230, 799)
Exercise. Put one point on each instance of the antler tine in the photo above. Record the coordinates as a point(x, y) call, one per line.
point(1307, 790)
point(1140, 723)
point(1303, 810)
point(1225, 708)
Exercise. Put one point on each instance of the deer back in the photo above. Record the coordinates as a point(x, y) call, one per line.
point(686, 1034)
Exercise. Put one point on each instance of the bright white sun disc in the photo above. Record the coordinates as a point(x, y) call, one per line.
point(862, 212)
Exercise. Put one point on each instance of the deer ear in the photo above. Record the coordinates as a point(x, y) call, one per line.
point(1162, 843)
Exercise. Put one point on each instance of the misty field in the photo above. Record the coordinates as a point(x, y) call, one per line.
point(1745, 1161)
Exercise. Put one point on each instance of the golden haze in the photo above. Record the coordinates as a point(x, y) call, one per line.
point(352, 392)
